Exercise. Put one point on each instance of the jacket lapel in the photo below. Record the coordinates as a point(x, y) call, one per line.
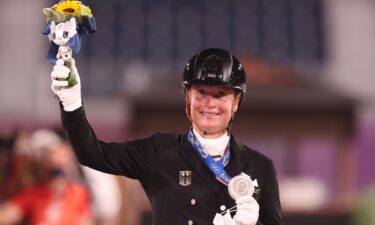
point(237, 161)
point(235, 166)
point(196, 163)
point(201, 173)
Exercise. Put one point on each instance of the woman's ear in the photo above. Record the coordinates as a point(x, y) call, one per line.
point(235, 102)
point(187, 101)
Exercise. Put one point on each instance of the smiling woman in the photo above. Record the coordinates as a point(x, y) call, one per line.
point(211, 109)
point(215, 83)
point(187, 176)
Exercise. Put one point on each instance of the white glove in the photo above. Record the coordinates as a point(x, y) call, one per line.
point(225, 219)
point(247, 211)
point(70, 97)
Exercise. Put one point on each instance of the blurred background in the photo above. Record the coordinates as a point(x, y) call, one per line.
point(310, 104)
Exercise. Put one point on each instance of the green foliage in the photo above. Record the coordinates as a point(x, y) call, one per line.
point(364, 210)
point(80, 10)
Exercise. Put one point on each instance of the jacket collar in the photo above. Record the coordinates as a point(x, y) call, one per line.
point(234, 167)
point(237, 161)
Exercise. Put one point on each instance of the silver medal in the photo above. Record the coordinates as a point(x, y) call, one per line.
point(240, 185)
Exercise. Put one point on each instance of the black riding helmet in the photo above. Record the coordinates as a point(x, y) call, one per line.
point(216, 67)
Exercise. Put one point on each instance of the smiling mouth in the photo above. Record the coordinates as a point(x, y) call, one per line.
point(209, 114)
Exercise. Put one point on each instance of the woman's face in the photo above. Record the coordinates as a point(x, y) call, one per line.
point(211, 108)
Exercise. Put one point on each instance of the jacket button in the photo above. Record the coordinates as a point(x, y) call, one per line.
point(193, 201)
point(190, 222)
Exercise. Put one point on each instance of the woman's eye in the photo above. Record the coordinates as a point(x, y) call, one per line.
point(200, 92)
point(220, 94)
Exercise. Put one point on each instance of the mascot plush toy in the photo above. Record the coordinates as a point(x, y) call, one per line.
point(66, 22)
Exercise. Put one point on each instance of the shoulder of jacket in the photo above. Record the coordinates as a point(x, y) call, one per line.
point(255, 154)
point(165, 136)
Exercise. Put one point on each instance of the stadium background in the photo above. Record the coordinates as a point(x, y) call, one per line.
point(311, 72)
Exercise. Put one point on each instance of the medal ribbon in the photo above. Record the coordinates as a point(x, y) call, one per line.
point(217, 167)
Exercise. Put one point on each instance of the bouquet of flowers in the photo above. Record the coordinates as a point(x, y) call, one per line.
point(66, 22)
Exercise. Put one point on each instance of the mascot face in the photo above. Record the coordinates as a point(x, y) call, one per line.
point(61, 33)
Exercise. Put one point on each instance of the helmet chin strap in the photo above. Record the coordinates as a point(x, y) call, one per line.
point(205, 133)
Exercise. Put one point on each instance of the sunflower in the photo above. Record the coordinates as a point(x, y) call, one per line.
point(69, 7)
point(66, 9)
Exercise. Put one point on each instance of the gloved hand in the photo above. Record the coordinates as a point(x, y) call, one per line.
point(70, 97)
point(247, 211)
point(225, 219)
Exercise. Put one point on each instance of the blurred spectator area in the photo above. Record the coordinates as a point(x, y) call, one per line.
point(165, 34)
point(291, 49)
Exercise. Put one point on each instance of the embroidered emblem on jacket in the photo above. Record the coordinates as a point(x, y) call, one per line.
point(185, 177)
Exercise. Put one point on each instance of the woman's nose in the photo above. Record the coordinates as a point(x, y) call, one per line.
point(209, 100)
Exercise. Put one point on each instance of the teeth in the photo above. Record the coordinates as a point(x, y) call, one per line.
point(209, 114)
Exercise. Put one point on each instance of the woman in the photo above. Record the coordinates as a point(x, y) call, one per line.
point(186, 176)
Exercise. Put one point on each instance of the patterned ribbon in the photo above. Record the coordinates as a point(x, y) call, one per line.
point(217, 167)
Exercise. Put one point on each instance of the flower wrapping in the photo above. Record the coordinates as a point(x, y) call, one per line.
point(66, 22)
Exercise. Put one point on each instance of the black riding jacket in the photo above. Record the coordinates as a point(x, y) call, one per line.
point(180, 187)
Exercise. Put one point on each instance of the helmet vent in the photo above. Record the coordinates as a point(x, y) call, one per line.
point(212, 68)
